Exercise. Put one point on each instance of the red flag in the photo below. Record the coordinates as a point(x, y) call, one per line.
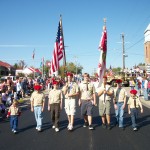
point(58, 52)
point(102, 60)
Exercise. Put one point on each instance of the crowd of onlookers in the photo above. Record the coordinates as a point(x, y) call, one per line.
point(142, 84)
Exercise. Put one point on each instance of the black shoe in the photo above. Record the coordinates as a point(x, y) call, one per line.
point(104, 126)
point(85, 124)
point(116, 123)
point(91, 127)
point(109, 127)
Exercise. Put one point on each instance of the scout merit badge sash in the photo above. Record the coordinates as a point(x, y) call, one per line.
point(69, 87)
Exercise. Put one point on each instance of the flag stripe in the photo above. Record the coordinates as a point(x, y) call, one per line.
point(58, 50)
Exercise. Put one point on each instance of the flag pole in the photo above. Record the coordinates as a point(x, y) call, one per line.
point(104, 29)
point(43, 67)
point(33, 63)
point(64, 55)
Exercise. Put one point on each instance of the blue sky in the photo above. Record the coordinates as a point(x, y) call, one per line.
point(26, 25)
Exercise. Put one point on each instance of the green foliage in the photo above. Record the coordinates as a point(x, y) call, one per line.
point(116, 70)
point(70, 67)
point(21, 75)
point(141, 64)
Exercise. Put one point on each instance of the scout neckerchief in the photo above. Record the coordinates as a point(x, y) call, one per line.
point(87, 86)
point(87, 89)
point(134, 101)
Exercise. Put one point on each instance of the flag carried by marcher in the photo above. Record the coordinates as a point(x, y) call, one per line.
point(59, 50)
point(103, 52)
point(33, 55)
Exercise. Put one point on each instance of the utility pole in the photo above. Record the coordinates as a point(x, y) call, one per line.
point(123, 53)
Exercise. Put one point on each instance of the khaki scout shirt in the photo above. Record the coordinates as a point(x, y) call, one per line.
point(131, 102)
point(87, 95)
point(37, 98)
point(107, 88)
point(120, 94)
point(73, 88)
point(55, 96)
point(14, 110)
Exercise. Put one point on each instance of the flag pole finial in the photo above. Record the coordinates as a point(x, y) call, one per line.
point(104, 27)
point(104, 21)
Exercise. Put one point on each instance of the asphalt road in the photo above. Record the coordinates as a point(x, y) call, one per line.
point(79, 139)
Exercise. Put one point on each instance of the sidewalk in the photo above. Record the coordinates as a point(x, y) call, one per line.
point(146, 103)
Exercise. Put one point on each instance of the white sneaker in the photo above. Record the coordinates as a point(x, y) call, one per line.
point(53, 127)
point(36, 128)
point(39, 129)
point(70, 128)
point(12, 130)
point(15, 131)
point(135, 129)
point(57, 129)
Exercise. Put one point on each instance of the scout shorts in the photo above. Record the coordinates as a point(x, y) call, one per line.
point(104, 109)
point(86, 108)
point(70, 106)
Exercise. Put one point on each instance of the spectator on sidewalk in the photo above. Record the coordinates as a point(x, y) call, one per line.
point(145, 88)
point(132, 83)
point(148, 89)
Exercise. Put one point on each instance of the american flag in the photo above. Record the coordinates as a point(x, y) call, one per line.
point(102, 59)
point(59, 51)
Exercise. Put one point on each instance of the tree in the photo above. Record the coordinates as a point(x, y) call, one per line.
point(141, 64)
point(20, 65)
point(116, 70)
point(70, 67)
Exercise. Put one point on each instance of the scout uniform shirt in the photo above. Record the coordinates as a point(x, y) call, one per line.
point(55, 96)
point(105, 97)
point(72, 89)
point(37, 98)
point(119, 94)
point(132, 103)
point(14, 110)
point(87, 90)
